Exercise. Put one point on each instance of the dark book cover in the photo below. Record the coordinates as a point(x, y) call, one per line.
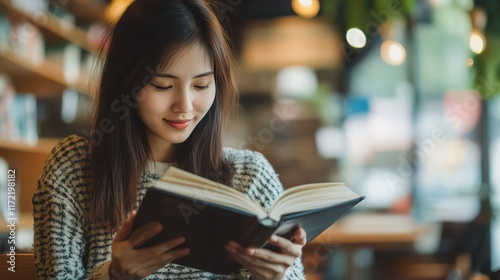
point(207, 227)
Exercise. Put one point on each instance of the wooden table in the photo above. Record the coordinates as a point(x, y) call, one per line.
point(376, 231)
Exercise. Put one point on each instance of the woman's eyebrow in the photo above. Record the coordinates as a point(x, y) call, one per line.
point(166, 75)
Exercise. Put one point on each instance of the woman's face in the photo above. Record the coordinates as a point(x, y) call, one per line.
point(176, 99)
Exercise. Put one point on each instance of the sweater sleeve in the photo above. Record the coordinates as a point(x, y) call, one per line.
point(265, 187)
point(59, 238)
point(101, 271)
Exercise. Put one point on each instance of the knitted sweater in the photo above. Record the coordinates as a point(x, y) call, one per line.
point(66, 246)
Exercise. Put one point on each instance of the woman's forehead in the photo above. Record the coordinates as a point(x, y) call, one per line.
point(195, 53)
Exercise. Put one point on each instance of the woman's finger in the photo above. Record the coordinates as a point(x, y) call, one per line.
point(235, 247)
point(239, 251)
point(154, 251)
point(246, 262)
point(263, 267)
point(286, 246)
point(144, 233)
point(261, 257)
point(300, 236)
point(126, 228)
point(271, 257)
point(160, 261)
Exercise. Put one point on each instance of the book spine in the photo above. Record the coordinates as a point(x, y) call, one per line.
point(257, 233)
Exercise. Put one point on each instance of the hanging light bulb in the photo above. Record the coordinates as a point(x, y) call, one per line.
point(306, 8)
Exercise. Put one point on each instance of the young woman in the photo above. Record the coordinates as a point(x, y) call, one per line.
point(165, 93)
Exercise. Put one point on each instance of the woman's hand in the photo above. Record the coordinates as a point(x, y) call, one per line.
point(267, 264)
point(129, 262)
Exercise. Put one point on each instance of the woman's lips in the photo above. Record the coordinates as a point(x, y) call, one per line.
point(178, 124)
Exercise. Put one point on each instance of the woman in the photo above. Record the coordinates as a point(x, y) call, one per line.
point(165, 93)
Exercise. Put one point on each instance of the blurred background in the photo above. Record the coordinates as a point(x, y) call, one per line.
point(397, 98)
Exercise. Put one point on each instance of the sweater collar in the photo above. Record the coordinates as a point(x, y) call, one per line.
point(156, 167)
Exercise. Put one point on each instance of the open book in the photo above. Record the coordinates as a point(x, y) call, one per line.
point(208, 214)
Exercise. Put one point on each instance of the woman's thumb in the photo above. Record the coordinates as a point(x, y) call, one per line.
point(126, 227)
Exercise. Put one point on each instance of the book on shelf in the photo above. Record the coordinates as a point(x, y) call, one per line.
point(209, 214)
point(18, 113)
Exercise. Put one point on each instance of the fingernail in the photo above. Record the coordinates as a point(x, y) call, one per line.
point(250, 252)
point(180, 240)
point(230, 249)
point(184, 252)
point(273, 238)
point(158, 227)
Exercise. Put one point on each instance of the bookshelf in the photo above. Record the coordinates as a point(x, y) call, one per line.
point(51, 26)
point(45, 79)
point(43, 146)
point(28, 160)
point(90, 11)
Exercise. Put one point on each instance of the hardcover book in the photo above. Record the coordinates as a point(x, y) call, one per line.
point(209, 214)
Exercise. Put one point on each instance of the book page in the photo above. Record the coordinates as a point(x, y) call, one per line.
point(174, 172)
point(309, 197)
point(187, 184)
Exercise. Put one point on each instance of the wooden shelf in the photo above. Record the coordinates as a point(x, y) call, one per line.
point(44, 79)
point(42, 146)
point(49, 24)
point(87, 10)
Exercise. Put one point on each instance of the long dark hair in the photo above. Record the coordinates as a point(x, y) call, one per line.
point(144, 40)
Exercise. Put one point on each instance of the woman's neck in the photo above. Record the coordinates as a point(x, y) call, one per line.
point(161, 150)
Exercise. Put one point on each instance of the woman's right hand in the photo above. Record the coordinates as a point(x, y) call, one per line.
point(127, 261)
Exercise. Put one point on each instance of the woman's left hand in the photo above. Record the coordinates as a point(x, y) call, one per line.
point(267, 264)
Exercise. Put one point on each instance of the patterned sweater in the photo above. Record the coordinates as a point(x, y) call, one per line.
point(66, 246)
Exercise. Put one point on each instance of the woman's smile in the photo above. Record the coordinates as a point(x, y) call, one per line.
point(178, 124)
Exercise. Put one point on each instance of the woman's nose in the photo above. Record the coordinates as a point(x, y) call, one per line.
point(183, 101)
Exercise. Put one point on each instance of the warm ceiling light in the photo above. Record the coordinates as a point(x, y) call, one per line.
point(477, 42)
point(306, 8)
point(393, 52)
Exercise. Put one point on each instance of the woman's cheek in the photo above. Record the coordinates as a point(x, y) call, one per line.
point(209, 101)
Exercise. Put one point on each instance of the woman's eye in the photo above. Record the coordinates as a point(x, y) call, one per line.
point(202, 87)
point(160, 88)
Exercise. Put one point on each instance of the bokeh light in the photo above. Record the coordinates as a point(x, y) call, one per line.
point(356, 38)
point(393, 52)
